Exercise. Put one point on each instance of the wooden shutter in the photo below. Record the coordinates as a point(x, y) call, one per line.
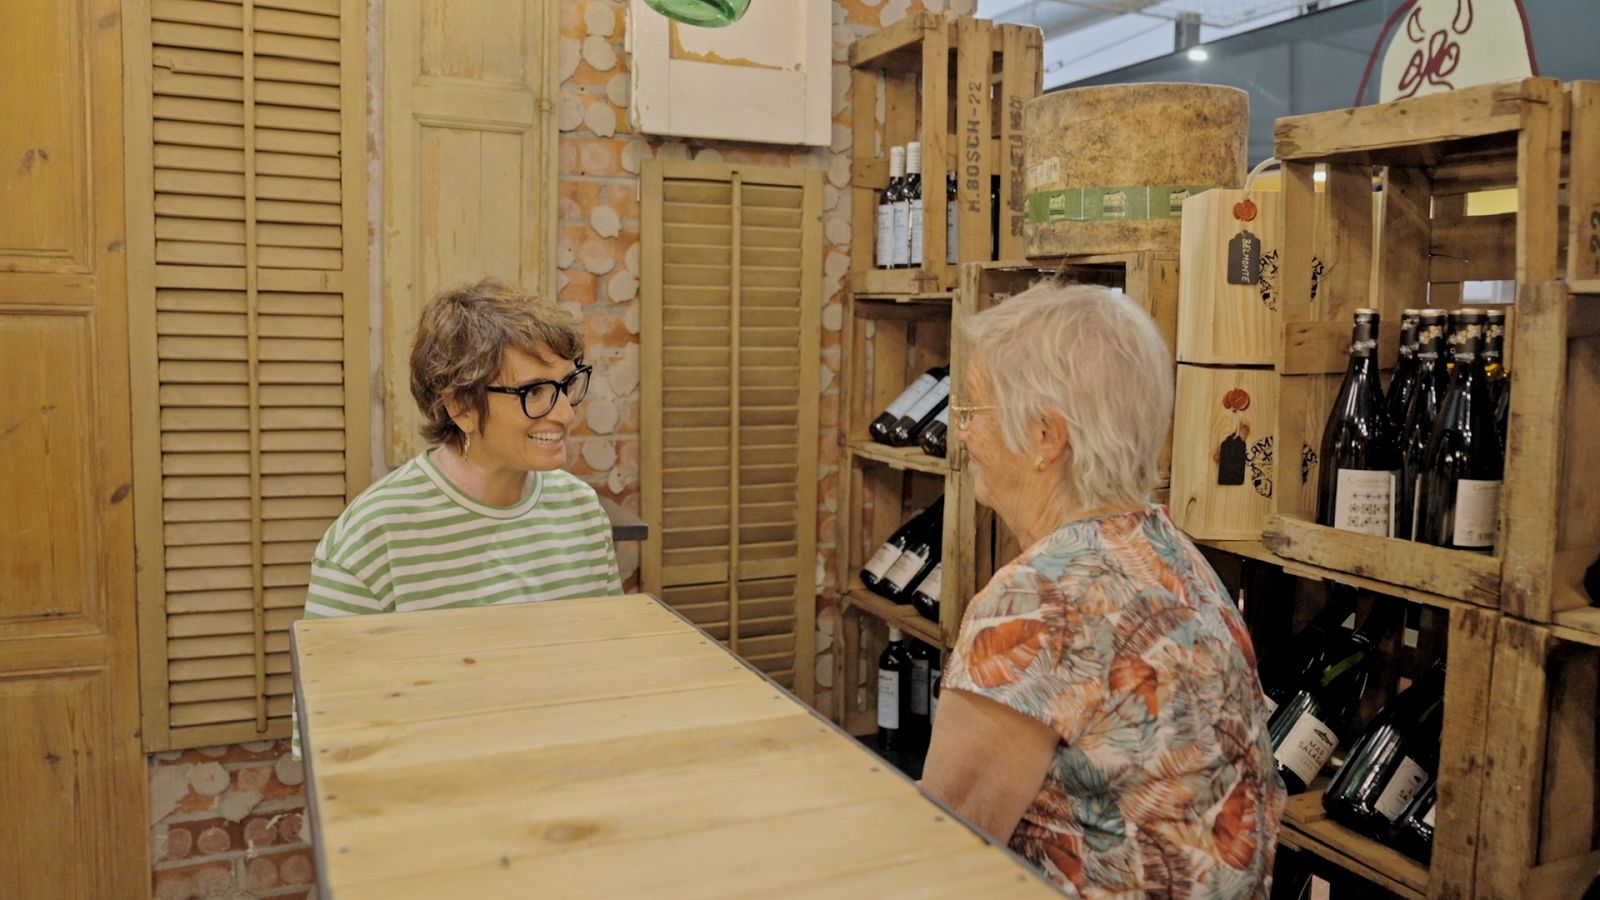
point(470, 165)
point(246, 190)
point(731, 345)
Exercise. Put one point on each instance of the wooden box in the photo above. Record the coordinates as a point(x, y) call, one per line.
point(1436, 152)
point(1221, 323)
point(958, 86)
point(1223, 464)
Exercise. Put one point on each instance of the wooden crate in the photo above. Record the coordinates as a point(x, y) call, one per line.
point(1222, 458)
point(1219, 323)
point(1538, 832)
point(1437, 151)
point(971, 77)
point(1279, 599)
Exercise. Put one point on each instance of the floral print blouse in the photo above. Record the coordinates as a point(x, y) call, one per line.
point(1117, 634)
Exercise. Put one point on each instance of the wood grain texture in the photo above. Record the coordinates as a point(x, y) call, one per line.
point(573, 772)
point(1203, 425)
point(1514, 759)
point(1583, 191)
point(76, 779)
point(1384, 133)
point(1221, 323)
point(1467, 577)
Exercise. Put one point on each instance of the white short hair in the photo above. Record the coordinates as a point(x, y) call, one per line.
point(1095, 356)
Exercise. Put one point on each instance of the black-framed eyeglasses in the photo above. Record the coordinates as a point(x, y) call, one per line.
point(539, 397)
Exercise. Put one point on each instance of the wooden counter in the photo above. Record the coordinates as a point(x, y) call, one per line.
point(601, 748)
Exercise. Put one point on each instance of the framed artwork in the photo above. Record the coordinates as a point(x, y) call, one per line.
point(765, 79)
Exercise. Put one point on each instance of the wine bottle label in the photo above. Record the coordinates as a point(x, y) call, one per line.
point(914, 228)
point(919, 687)
point(1428, 819)
point(888, 699)
point(1404, 785)
point(928, 401)
point(1477, 513)
point(882, 560)
point(1364, 501)
point(952, 251)
point(904, 569)
point(1307, 746)
point(900, 244)
point(908, 397)
point(933, 583)
point(884, 257)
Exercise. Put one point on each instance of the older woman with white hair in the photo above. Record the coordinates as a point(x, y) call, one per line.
point(1100, 710)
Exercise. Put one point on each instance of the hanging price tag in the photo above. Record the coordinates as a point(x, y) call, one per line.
point(1244, 259)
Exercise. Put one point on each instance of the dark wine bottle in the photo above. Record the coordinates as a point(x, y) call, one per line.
point(1502, 414)
point(894, 691)
point(890, 550)
point(1433, 380)
point(925, 599)
point(935, 675)
point(1458, 503)
point(913, 195)
point(910, 425)
point(1413, 834)
point(913, 566)
point(933, 439)
point(1282, 670)
point(952, 247)
point(1395, 758)
point(883, 256)
point(1403, 384)
point(1308, 728)
point(1494, 369)
point(924, 660)
point(882, 428)
point(1360, 459)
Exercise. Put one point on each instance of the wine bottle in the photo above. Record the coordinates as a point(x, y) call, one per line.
point(901, 212)
point(952, 248)
point(1404, 382)
point(1360, 460)
point(1307, 729)
point(925, 599)
point(884, 255)
point(889, 551)
point(894, 691)
point(1494, 369)
point(1458, 503)
point(1414, 832)
point(1392, 762)
point(934, 436)
point(882, 428)
point(1502, 414)
point(1283, 671)
point(913, 566)
point(1433, 380)
point(935, 675)
point(924, 660)
point(913, 195)
point(910, 425)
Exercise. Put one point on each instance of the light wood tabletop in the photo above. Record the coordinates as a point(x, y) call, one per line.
point(603, 748)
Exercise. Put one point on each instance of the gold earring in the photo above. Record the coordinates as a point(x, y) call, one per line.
point(1038, 464)
point(466, 445)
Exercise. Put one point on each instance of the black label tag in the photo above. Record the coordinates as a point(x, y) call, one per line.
point(1244, 259)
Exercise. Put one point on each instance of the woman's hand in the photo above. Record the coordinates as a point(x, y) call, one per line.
point(987, 761)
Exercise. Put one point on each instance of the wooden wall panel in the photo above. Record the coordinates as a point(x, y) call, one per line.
point(250, 340)
point(469, 162)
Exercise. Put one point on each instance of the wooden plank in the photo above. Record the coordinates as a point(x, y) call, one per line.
point(1468, 577)
point(1538, 182)
point(936, 103)
point(1563, 880)
point(974, 153)
point(1022, 74)
point(1532, 484)
point(1307, 826)
point(1583, 191)
point(1468, 681)
point(1323, 348)
point(907, 32)
point(1514, 757)
point(1567, 823)
point(1361, 134)
point(1402, 274)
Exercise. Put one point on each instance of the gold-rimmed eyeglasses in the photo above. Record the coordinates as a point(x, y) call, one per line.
point(964, 413)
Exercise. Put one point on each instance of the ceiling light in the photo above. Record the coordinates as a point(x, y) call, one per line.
point(1198, 54)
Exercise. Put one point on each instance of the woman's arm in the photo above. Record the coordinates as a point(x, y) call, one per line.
point(987, 761)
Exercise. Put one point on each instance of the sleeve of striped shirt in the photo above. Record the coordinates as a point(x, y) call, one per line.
point(334, 591)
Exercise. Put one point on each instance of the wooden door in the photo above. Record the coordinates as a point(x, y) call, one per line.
point(730, 351)
point(72, 822)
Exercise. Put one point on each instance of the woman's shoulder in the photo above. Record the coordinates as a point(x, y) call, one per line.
point(401, 492)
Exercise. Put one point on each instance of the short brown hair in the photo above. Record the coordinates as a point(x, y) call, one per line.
point(461, 342)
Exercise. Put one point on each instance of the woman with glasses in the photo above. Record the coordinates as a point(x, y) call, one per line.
point(485, 515)
point(1100, 709)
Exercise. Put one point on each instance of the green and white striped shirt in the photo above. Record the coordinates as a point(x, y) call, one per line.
point(414, 541)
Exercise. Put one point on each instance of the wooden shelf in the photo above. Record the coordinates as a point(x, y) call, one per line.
point(903, 458)
point(1247, 549)
point(1425, 574)
point(1306, 826)
point(904, 618)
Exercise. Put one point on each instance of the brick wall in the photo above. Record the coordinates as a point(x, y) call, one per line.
point(229, 821)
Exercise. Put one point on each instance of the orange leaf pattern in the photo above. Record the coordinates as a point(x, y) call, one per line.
point(1116, 633)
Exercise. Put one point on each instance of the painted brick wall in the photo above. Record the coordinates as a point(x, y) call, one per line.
point(229, 821)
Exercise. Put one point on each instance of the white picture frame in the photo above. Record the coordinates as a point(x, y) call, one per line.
point(765, 79)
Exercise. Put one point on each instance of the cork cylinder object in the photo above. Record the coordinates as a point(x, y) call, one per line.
point(1108, 167)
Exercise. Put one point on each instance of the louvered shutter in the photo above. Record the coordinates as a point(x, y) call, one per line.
point(248, 317)
point(731, 345)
